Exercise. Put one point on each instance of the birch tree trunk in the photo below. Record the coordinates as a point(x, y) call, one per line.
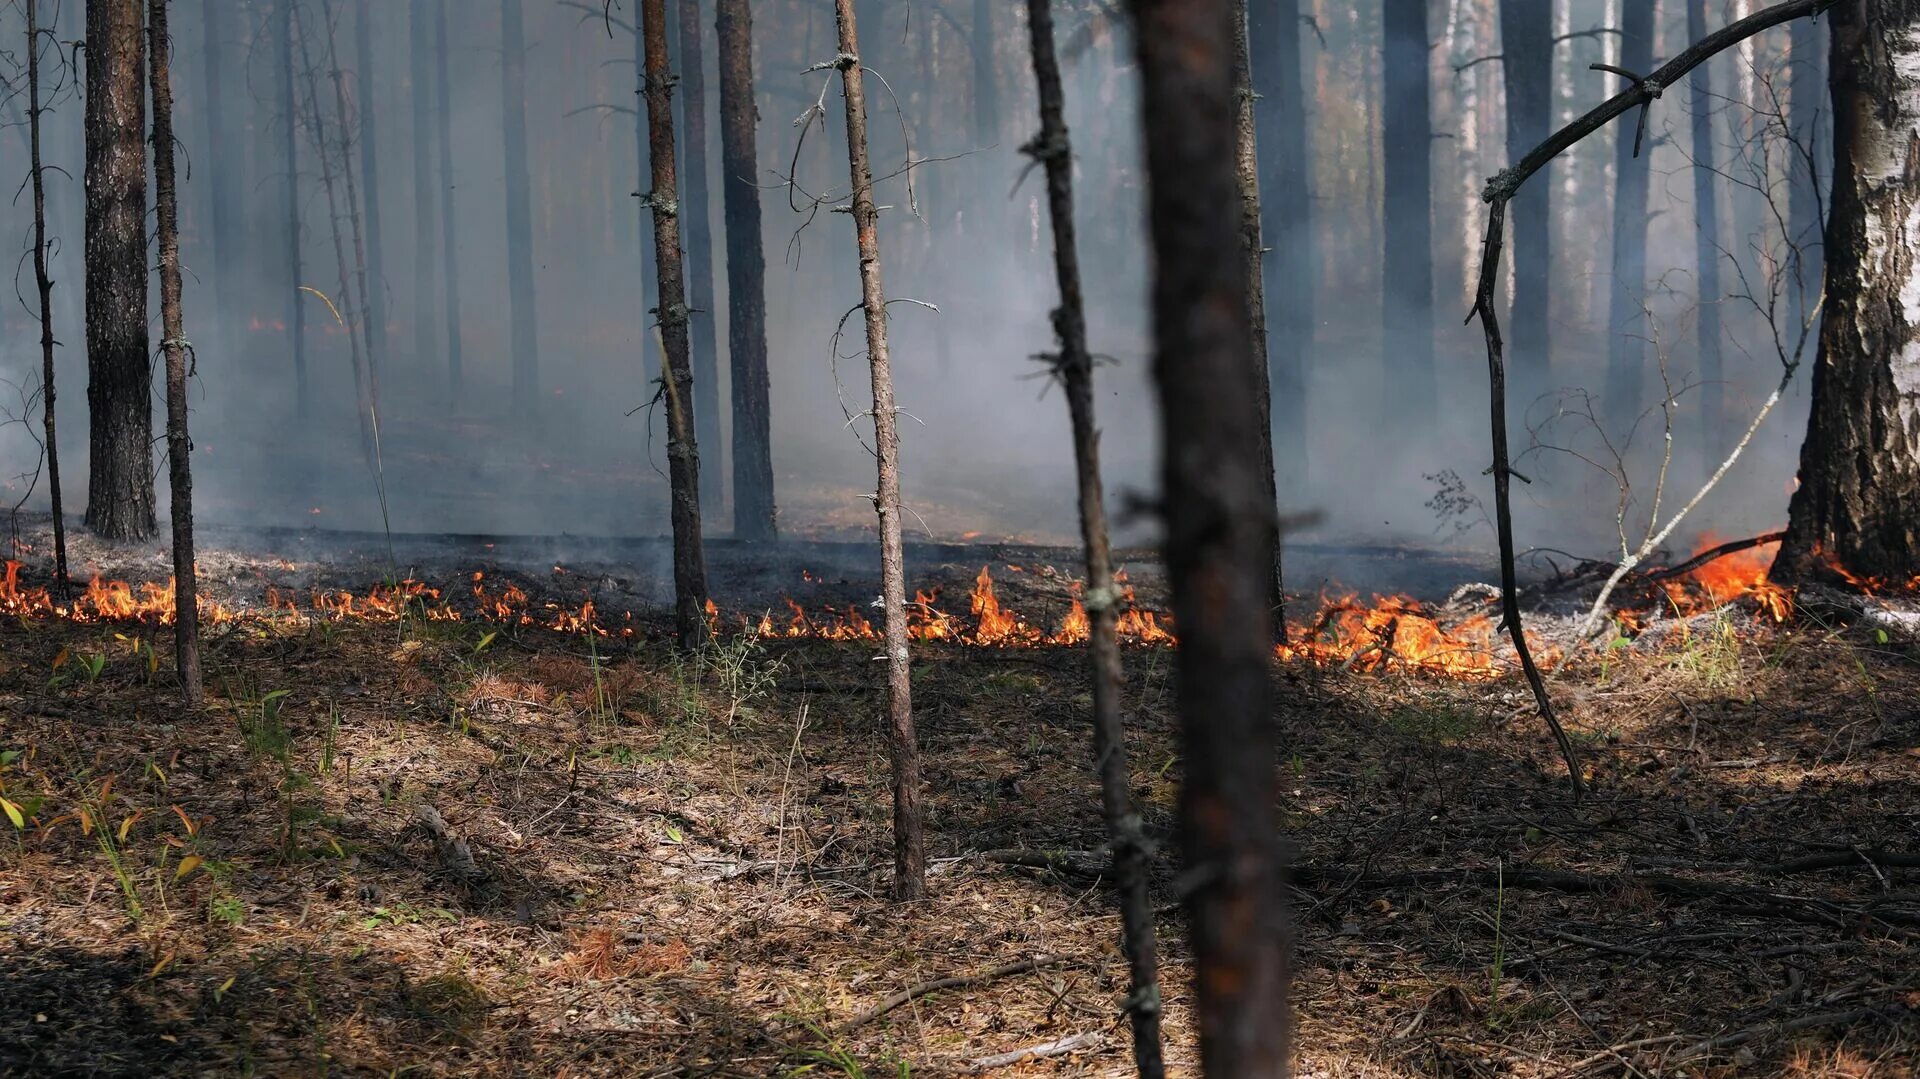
point(1220, 535)
point(186, 610)
point(676, 381)
point(754, 514)
point(1074, 367)
point(120, 501)
point(909, 846)
point(1858, 504)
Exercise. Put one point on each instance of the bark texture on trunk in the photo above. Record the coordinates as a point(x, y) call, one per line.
point(449, 240)
point(1286, 206)
point(186, 614)
point(909, 847)
point(1706, 225)
point(1627, 324)
point(43, 288)
point(698, 238)
point(683, 454)
point(1219, 537)
point(1526, 46)
point(295, 311)
point(754, 513)
point(1253, 254)
point(1074, 368)
point(420, 71)
point(367, 116)
point(1406, 127)
point(1858, 504)
point(119, 365)
point(524, 315)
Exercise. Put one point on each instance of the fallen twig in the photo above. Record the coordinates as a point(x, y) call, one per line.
point(957, 981)
point(1056, 1047)
point(1709, 555)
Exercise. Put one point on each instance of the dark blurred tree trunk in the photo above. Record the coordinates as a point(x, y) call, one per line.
point(295, 311)
point(683, 454)
point(1858, 504)
point(1627, 324)
point(1074, 368)
point(1706, 224)
point(698, 240)
point(186, 614)
point(754, 513)
point(420, 72)
point(649, 270)
point(1273, 30)
point(1406, 127)
point(1220, 535)
point(449, 236)
point(1526, 45)
point(1253, 256)
point(222, 170)
point(909, 845)
point(43, 287)
point(369, 387)
point(520, 296)
point(1808, 175)
point(367, 113)
point(119, 365)
point(986, 88)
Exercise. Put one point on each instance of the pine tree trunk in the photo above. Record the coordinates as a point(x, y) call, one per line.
point(520, 294)
point(366, 112)
point(1273, 29)
point(367, 373)
point(296, 312)
point(120, 498)
point(215, 16)
point(1627, 329)
point(1220, 535)
point(43, 286)
point(909, 846)
point(1074, 367)
point(698, 238)
point(754, 514)
point(649, 267)
point(1706, 225)
point(1253, 256)
point(1858, 504)
point(449, 236)
point(186, 614)
point(1526, 45)
point(420, 70)
point(683, 455)
point(1407, 136)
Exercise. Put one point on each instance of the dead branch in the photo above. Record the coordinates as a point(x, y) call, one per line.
point(1057, 1047)
point(1704, 557)
point(958, 981)
point(1500, 190)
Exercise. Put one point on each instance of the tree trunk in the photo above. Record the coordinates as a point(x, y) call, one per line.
point(1220, 536)
point(375, 288)
point(909, 847)
point(1627, 324)
point(295, 311)
point(215, 16)
point(44, 287)
point(1406, 129)
point(986, 88)
point(520, 296)
point(1253, 255)
point(1273, 29)
point(698, 238)
point(1526, 45)
point(754, 514)
point(683, 455)
point(1706, 225)
point(449, 236)
point(1074, 367)
point(649, 268)
point(186, 610)
point(1858, 504)
point(1807, 174)
point(420, 69)
point(367, 380)
point(119, 367)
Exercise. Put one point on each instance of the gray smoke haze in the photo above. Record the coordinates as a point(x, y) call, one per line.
point(986, 451)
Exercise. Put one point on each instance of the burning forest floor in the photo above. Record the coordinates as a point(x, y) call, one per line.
point(395, 843)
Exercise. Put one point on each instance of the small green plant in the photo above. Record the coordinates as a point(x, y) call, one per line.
point(264, 730)
point(67, 667)
point(227, 911)
point(832, 1057)
point(742, 671)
